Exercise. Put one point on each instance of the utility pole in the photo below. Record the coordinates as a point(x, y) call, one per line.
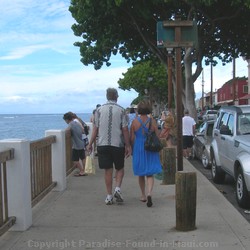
point(177, 34)
point(179, 99)
point(234, 83)
point(170, 84)
point(211, 93)
point(202, 91)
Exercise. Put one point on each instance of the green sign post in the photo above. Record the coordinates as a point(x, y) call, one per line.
point(177, 34)
point(166, 34)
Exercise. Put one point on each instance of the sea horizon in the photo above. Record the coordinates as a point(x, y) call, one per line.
point(32, 126)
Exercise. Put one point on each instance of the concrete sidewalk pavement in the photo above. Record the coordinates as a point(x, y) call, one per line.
point(79, 219)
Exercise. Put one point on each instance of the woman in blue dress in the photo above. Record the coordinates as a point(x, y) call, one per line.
point(145, 163)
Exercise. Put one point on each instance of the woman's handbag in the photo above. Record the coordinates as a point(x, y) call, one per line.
point(152, 142)
point(89, 165)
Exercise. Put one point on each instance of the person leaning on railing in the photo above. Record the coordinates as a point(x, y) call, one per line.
point(78, 145)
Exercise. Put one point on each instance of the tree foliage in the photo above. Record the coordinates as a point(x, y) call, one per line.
point(128, 27)
point(147, 75)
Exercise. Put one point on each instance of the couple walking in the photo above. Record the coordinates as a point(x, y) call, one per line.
point(114, 144)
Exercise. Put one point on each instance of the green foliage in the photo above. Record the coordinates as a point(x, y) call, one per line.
point(150, 75)
point(128, 27)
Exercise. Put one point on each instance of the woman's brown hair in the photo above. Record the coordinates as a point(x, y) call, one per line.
point(144, 107)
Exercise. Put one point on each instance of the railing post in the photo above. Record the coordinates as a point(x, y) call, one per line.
point(19, 183)
point(58, 159)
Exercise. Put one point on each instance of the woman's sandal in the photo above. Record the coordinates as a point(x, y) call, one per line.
point(79, 175)
point(149, 201)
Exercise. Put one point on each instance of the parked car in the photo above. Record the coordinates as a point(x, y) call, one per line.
point(210, 115)
point(202, 142)
point(230, 150)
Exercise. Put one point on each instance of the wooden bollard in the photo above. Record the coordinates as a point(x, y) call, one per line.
point(168, 161)
point(185, 192)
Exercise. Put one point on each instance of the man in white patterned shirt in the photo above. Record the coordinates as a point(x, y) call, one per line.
point(111, 125)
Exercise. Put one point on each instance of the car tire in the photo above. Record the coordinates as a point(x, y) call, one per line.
point(242, 196)
point(218, 175)
point(205, 159)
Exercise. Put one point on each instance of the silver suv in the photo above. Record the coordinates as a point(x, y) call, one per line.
point(230, 150)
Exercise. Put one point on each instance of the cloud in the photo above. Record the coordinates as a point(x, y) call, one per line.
point(22, 52)
point(78, 90)
point(40, 69)
point(27, 26)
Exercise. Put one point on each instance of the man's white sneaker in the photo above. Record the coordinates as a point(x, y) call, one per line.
point(109, 201)
point(118, 196)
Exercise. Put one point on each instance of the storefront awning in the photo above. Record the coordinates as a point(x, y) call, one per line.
point(224, 102)
point(245, 97)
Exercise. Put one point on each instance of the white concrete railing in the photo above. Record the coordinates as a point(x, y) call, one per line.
point(18, 175)
point(18, 183)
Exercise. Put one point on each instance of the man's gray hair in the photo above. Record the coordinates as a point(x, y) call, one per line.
point(112, 94)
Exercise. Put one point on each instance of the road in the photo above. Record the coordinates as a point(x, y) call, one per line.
point(227, 188)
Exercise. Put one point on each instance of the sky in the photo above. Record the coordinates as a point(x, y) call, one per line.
point(40, 68)
point(221, 74)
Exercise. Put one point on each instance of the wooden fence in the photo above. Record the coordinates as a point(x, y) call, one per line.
point(41, 168)
point(5, 220)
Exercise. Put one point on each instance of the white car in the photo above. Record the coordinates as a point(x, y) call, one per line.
point(230, 150)
point(210, 115)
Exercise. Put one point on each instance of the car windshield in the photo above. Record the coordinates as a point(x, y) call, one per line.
point(244, 124)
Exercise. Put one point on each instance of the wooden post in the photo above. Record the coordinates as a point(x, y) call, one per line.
point(168, 161)
point(185, 191)
point(170, 84)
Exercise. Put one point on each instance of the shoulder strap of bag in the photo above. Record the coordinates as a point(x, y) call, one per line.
point(149, 123)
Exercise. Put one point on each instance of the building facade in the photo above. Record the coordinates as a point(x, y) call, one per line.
point(233, 92)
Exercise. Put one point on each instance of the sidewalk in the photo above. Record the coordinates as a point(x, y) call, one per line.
point(79, 219)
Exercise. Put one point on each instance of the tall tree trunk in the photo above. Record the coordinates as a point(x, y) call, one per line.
point(189, 86)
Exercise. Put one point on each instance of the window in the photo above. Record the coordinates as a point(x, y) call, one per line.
point(245, 89)
point(244, 124)
point(231, 123)
point(210, 129)
point(223, 120)
point(202, 128)
point(212, 112)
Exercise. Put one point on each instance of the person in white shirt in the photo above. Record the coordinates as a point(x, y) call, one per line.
point(111, 126)
point(188, 131)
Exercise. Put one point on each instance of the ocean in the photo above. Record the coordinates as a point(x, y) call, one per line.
point(32, 126)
